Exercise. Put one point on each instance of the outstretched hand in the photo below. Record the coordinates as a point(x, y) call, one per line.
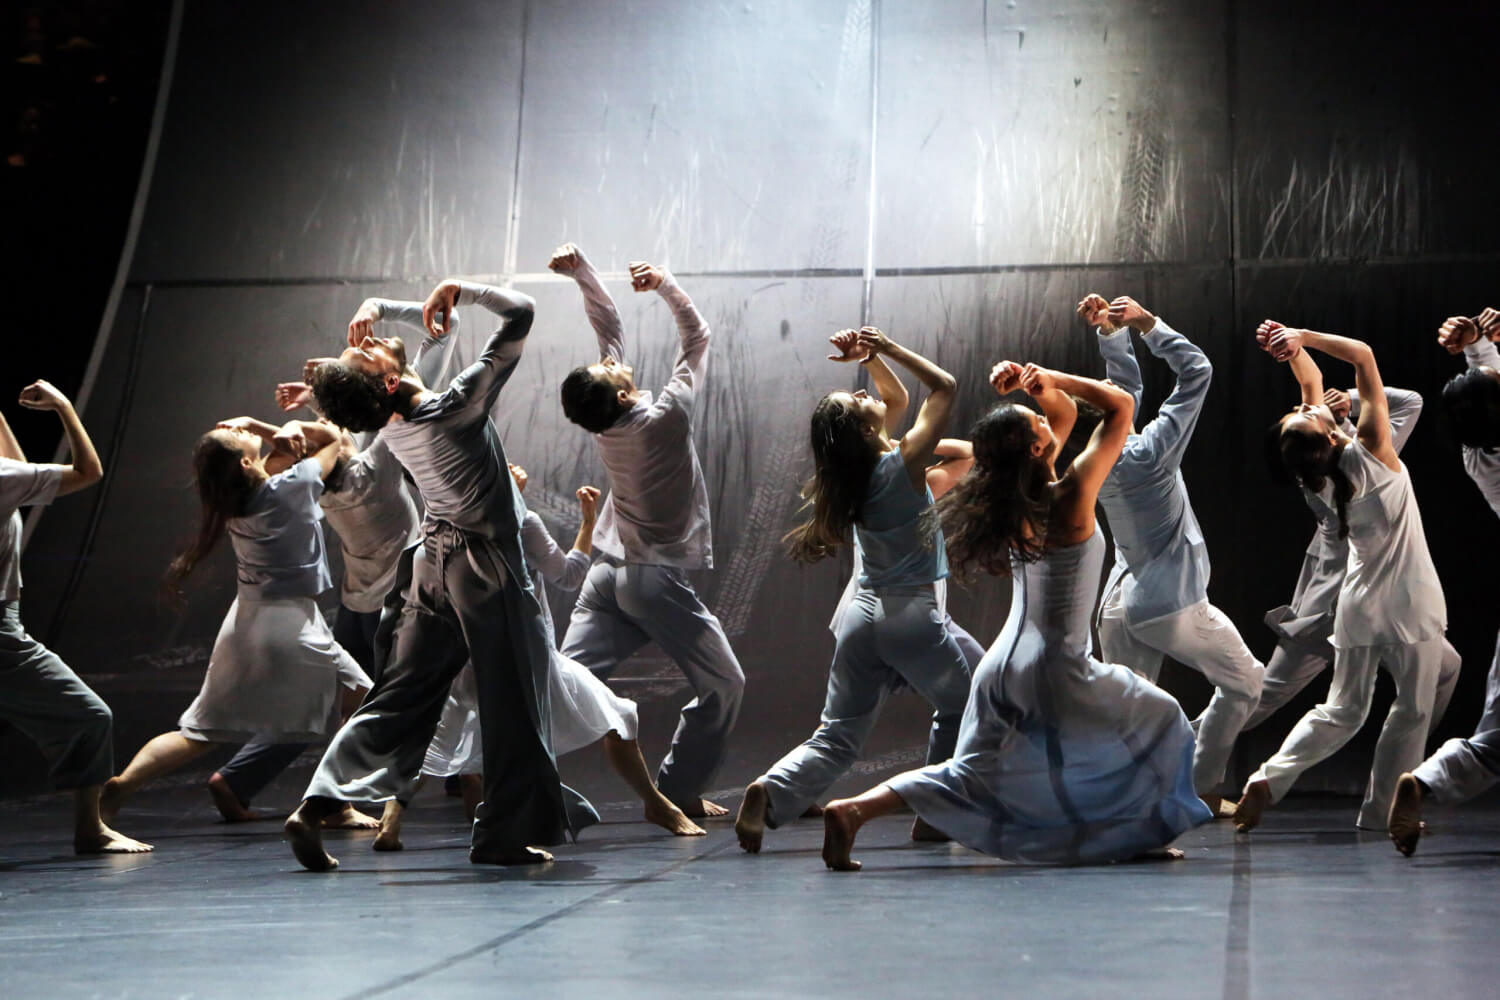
point(1456, 333)
point(1094, 310)
point(363, 324)
point(1268, 328)
point(1125, 311)
point(43, 395)
point(1036, 380)
point(437, 311)
point(1285, 343)
point(872, 341)
point(1338, 401)
point(565, 259)
point(846, 345)
point(645, 277)
point(291, 395)
point(588, 503)
point(1488, 322)
point(1005, 377)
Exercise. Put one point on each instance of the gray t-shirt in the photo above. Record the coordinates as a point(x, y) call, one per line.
point(22, 484)
point(278, 544)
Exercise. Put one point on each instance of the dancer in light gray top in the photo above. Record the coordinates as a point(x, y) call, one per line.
point(870, 490)
point(39, 694)
point(1463, 768)
point(653, 528)
point(1391, 611)
point(1305, 626)
point(1156, 600)
point(469, 596)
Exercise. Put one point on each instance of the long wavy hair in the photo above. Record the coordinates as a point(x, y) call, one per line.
point(999, 510)
point(843, 460)
point(1308, 459)
point(224, 491)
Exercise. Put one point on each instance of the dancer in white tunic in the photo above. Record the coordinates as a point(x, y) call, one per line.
point(653, 528)
point(1391, 611)
point(584, 709)
point(1304, 627)
point(39, 694)
point(1156, 600)
point(1463, 768)
point(871, 489)
point(1060, 758)
point(275, 671)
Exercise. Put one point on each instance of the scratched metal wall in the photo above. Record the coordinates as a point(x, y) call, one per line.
point(959, 172)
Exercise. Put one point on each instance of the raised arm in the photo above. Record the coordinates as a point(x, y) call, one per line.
point(86, 469)
point(932, 418)
point(1120, 366)
point(603, 316)
point(428, 361)
point(1168, 433)
point(482, 381)
point(1374, 426)
point(955, 457)
point(692, 329)
point(9, 446)
point(299, 439)
point(1078, 487)
point(888, 385)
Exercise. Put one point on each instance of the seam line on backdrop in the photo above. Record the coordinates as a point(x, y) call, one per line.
point(513, 235)
point(127, 251)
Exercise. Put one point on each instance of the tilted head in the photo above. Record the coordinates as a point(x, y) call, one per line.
point(1471, 402)
point(595, 396)
point(847, 436)
point(227, 468)
point(1303, 447)
point(999, 510)
point(1300, 446)
point(353, 395)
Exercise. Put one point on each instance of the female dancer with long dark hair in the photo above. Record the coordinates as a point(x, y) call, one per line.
point(1391, 611)
point(275, 671)
point(1060, 758)
point(870, 489)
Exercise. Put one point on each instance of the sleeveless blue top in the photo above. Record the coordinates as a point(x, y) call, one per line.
point(889, 535)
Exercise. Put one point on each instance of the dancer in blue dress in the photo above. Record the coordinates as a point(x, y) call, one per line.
point(1060, 758)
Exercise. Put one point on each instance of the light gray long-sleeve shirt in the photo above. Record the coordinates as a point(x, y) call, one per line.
point(1484, 466)
point(563, 568)
point(1157, 538)
point(375, 517)
point(657, 510)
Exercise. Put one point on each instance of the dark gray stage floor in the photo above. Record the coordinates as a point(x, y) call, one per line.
point(1307, 907)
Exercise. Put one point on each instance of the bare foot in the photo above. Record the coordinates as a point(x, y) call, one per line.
point(924, 832)
point(107, 841)
point(664, 814)
point(227, 802)
point(350, 818)
point(705, 809)
point(1226, 810)
point(840, 823)
point(517, 856)
point(1405, 822)
point(306, 838)
point(812, 812)
point(111, 796)
point(388, 839)
point(1253, 802)
point(750, 824)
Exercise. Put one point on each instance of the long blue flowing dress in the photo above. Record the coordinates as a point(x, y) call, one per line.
point(1060, 759)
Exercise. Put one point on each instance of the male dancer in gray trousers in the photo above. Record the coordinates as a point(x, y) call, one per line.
point(653, 528)
point(469, 597)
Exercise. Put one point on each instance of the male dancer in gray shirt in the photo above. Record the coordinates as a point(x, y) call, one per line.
point(653, 528)
point(469, 596)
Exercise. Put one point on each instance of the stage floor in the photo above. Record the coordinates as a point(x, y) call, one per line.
point(1305, 907)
